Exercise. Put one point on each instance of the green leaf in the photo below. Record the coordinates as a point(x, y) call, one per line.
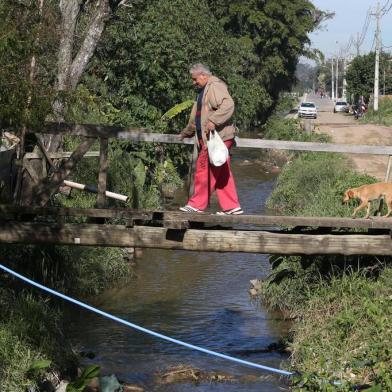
point(87, 375)
point(177, 109)
point(40, 365)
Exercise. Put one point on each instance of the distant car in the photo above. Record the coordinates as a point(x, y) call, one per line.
point(341, 106)
point(307, 110)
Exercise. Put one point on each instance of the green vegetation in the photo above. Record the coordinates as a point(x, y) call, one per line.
point(343, 334)
point(280, 128)
point(384, 114)
point(341, 304)
point(360, 75)
point(137, 72)
point(29, 333)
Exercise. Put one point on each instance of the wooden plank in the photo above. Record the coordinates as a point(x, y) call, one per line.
point(61, 155)
point(388, 172)
point(195, 240)
point(30, 169)
point(315, 147)
point(102, 176)
point(212, 219)
point(46, 154)
point(143, 135)
point(281, 221)
point(120, 213)
point(91, 130)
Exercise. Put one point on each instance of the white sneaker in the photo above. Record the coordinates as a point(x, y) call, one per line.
point(189, 208)
point(234, 211)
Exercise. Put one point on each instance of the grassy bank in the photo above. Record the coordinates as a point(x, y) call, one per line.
point(30, 340)
point(383, 116)
point(341, 304)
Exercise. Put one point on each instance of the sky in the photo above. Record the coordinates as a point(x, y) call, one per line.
point(350, 17)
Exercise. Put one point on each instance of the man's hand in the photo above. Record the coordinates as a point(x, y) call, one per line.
point(181, 136)
point(210, 126)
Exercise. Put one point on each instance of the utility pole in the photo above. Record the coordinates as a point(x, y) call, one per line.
point(383, 90)
point(377, 65)
point(332, 81)
point(337, 77)
point(344, 89)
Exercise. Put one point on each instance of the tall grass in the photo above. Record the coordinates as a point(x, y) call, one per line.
point(342, 317)
point(29, 331)
point(344, 334)
point(384, 114)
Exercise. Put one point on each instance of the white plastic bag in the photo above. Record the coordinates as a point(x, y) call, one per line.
point(217, 150)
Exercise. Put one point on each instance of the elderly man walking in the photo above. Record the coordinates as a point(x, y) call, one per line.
point(211, 112)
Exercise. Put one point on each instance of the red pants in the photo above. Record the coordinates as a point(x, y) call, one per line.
point(220, 180)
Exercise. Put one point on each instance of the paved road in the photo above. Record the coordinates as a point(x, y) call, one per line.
point(344, 129)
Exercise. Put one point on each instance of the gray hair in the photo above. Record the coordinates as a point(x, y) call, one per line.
point(200, 69)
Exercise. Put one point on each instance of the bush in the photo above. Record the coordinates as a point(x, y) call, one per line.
point(342, 329)
point(29, 331)
point(313, 185)
point(343, 334)
point(383, 115)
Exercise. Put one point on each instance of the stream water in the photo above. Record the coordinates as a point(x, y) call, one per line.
point(201, 298)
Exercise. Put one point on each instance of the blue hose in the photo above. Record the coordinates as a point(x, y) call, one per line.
point(145, 330)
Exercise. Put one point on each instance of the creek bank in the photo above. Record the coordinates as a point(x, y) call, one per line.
point(340, 305)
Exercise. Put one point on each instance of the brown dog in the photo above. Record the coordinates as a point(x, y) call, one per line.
point(367, 193)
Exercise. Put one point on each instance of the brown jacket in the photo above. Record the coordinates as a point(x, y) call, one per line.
point(217, 107)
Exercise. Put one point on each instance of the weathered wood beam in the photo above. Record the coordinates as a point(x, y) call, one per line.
point(60, 155)
point(282, 221)
point(119, 213)
point(195, 240)
point(46, 154)
point(315, 147)
point(102, 176)
point(144, 135)
point(212, 219)
point(90, 130)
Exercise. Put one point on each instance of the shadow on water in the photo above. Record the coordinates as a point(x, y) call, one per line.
point(201, 298)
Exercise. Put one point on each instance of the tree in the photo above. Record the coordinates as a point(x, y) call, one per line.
point(277, 32)
point(360, 75)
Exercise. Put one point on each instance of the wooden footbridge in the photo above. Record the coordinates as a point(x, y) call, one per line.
point(38, 224)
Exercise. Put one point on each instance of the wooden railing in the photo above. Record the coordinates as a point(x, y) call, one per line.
point(88, 132)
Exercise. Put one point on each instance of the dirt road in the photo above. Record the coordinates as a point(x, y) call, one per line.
point(344, 129)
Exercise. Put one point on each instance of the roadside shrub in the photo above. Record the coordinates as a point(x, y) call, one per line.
point(313, 185)
point(343, 334)
point(342, 317)
point(280, 128)
point(384, 114)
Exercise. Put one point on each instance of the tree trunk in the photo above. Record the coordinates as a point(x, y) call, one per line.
point(70, 69)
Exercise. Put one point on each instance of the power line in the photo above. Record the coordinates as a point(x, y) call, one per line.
point(365, 27)
point(384, 9)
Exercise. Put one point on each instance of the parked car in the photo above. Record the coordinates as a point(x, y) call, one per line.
point(341, 106)
point(307, 110)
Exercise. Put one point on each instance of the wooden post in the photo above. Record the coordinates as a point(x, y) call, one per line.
point(192, 171)
point(308, 126)
point(44, 190)
point(386, 178)
point(103, 168)
point(388, 172)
